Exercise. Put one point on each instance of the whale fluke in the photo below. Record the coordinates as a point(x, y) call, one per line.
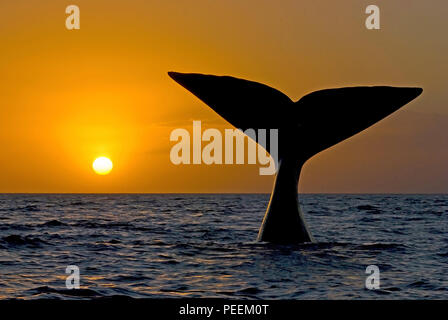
point(314, 123)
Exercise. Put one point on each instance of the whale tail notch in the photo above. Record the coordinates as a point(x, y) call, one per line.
point(314, 123)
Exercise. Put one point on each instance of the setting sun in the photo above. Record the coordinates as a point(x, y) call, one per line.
point(102, 165)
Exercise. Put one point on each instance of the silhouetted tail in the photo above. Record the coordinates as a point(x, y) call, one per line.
point(316, 122)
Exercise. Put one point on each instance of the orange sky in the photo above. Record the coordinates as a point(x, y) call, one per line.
point(68, 97)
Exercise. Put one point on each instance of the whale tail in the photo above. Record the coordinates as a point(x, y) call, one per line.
point(314, 123)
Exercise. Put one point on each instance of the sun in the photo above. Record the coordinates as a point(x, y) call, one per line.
point(102, 165)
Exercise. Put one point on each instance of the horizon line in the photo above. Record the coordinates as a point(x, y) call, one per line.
point(221, 193)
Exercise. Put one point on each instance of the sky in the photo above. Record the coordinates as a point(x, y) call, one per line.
point(70, 96)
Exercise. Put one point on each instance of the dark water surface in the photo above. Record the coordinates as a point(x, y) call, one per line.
point(204, 246)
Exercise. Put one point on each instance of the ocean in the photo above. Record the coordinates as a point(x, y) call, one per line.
point(203, 246)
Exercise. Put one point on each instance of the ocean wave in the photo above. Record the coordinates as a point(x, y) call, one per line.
point(381, 246)
point(88, 293)
point(53, 223)
point(18, 240)
point(27, 208)
point(368, 207)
